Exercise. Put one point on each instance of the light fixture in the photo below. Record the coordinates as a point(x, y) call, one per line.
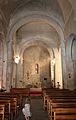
point(17, 58)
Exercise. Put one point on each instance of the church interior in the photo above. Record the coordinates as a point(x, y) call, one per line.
point(37, 58)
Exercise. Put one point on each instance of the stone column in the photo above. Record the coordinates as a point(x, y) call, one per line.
point(9, 65)
point(1, 64)
point(4, 63)
point(14, 74)
point(63, 59)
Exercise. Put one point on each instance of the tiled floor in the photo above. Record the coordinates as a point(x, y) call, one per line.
point(37, 110)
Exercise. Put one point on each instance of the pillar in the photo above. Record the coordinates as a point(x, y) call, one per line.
point(9, 65)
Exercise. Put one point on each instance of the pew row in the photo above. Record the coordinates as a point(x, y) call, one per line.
point(10, 104)
point(65, 114)
point(61, 105)
point(60, 99)
point(56, 94)
point(24, 92)
point(2, 109)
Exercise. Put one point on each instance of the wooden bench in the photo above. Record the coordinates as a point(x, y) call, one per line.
point(24, 92)
point(21, 91)
point(12, 95)
point(12, 102)
point(55, 104)
point(2, 109)
point(56, 94)
point(7, 104)
point(65, 114)
point(60, 99)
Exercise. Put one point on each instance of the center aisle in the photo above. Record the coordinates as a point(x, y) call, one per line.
point(37, 110)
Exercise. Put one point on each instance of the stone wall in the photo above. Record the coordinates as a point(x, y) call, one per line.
point(33, 56)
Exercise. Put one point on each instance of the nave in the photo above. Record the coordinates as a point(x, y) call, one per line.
point(38, 52)
point(36, 108)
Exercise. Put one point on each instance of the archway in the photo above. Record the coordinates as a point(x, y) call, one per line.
point(71, 61)
point(46, 20)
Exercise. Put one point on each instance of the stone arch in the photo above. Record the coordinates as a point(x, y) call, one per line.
point(71, 61)
point(73, 49)
point(34, 42)
point(39, 7)
point(69, 46)
point(35, 17)
point(25, 20)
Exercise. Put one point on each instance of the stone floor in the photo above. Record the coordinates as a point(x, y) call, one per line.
point(37, 110)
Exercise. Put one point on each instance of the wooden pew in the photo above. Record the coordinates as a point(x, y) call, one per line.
point(2, 109)
point(24, 92)
point(15, 101)
point(7, 104)
point(60, 99)
point(54, 90)
point(12, 101)
point(65, 114)
point(56, 94)
point(12, 95)
point(55, 104)
point(60, 102)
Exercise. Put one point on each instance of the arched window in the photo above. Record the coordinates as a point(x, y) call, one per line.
point(37, 68)
point(73, 49)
